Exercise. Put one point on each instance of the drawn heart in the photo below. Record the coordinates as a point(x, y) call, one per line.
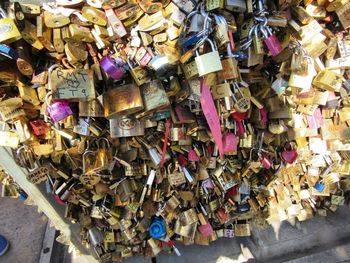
point(290, 156)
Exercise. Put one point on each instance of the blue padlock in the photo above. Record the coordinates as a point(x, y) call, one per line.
point(7, 51)
point(157, 229)
point(319, 186)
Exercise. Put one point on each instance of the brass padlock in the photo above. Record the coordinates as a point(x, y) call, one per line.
point(154, 97)
point(8, 29)
point(71, 83)
point(126, 126)
point(123, 100)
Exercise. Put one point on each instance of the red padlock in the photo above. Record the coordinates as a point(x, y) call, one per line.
point(39, 127)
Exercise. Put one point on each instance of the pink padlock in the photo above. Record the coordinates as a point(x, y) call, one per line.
point(206, 230)
point(192, 156)
point(271, 41)
point(229, 142)
point(143, 57)
point(289, 154)
point(58, 110)
point(145, 60)
point(265, 160)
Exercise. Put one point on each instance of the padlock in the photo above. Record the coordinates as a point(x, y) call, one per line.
point(36, 173)
point(196, 22)
point(103, 156)
point(230, 70)
point(8, 29)
point(58, 110)
point(94, 15)
point(162, 67)
point(209, 62)
point(113, 67)
point(123, 100)
point(154, 97)
point(271, 41)
point(126, 126)
point(241, 102)
point(214, 4)
point(258, 42)
point(154, 153)
point(328, 80)
point(39, 127)
point(289, 155)
point(139, 74)
point(71, 84)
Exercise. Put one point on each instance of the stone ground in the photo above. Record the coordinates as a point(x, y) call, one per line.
point(24, 227)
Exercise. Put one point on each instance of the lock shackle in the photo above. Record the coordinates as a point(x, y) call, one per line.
point(47, 99)
point(102, 139)
point(28, 160)
point(54, 66)
point(87, 152)
point(264, 31)
point(3, 13)
point(211, 43)
point(249, 39)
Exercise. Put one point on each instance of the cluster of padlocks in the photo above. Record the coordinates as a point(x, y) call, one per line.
point(165, 122)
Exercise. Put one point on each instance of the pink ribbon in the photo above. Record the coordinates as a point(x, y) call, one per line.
point(211, 116)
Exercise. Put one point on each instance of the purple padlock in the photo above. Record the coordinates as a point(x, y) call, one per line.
point(58, 110)
point(271, 41)
point(113, 67)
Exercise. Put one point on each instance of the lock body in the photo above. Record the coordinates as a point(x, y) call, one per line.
point(208, 63)
point(59, 110)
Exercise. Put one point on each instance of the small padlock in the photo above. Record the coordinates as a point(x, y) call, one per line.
point(241, 102)
point(39, 127)
point(103, 156)
point(209, 62)
point(258, 42)
point(271, 41)
point(8, 29)
point(58, 110)
point(113, 67)
point(289, 154)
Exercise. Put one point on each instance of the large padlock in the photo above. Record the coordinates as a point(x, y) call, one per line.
point(122, 100)
point(58, 110)
point(209, 62)
point(75, 84)
point(8, 29)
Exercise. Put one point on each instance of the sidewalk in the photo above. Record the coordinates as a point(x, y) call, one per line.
point(24, 227)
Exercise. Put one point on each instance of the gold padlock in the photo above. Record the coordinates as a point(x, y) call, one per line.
point(94, 15)
point(123, 100)
point(71, 83)
point(328, 80)
point(8, 29)
point(55, 20)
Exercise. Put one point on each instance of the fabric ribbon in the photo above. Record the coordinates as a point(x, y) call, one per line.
point(211, 116)
point(167, 129)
